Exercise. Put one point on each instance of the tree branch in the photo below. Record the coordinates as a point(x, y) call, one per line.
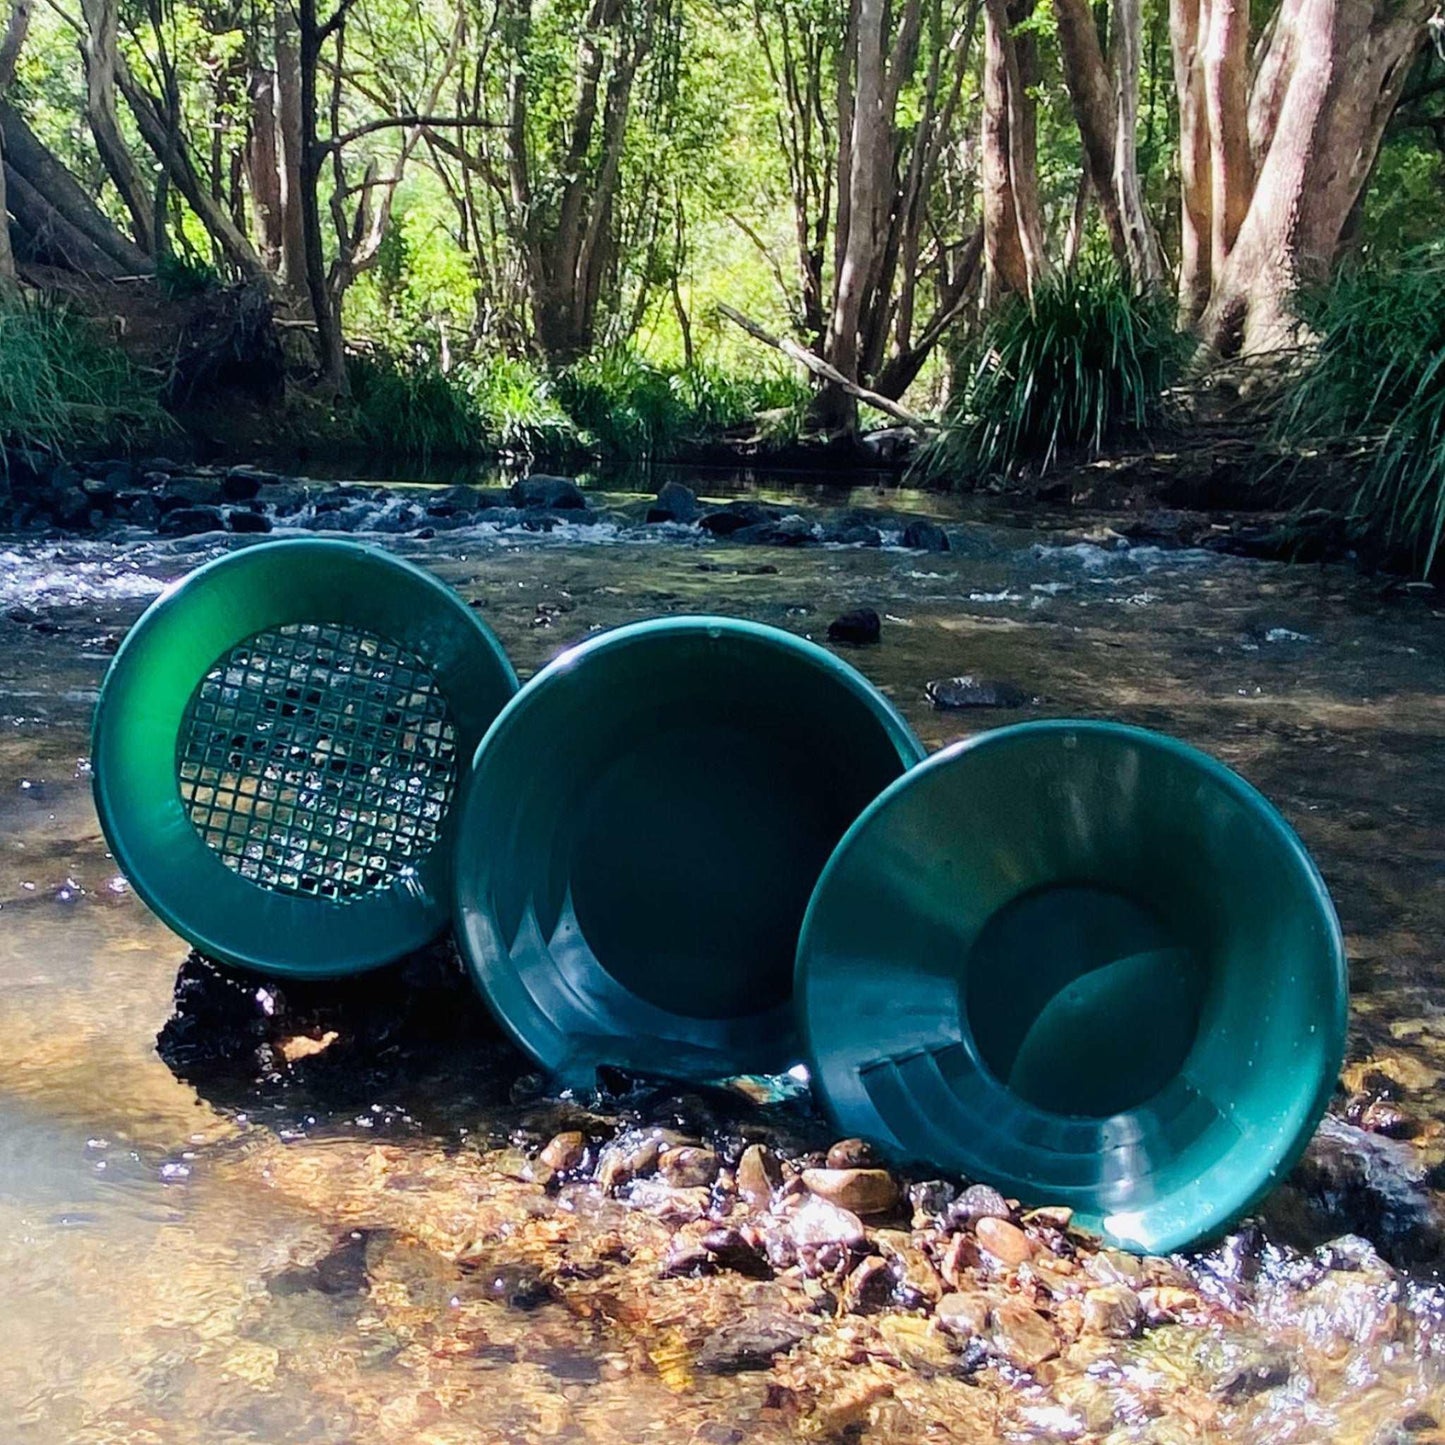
point(394, 122)
point(821, 368)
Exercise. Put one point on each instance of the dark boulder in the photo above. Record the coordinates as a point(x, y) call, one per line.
point(544, 493)
point(956, 693)
point(190, 521)
point(241, 484)
point(925, 537)
point(193, 492)
point(675, 503)
point(736, 517)
point(861, 626)
point(242, 519)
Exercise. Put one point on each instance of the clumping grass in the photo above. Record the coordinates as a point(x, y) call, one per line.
point(1083, 363)
point(631, 411)
point(622, 409)
point(63, 386)
point(1377, 375)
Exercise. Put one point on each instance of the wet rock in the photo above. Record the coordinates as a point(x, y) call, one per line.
point(978, 1201)
point(191, 521)
point(736, 516)
point(241, 519)
point(962, 1314)
point(968, 691)
point(889, 445)
point(550, 493)
point(341, 1272)
point(1269, 1372)
point(930, 1200)
point(737, 1250)
point(624, 1159)
point(925, 537)
point(1113, 1311)
point(960, 1261)
point(243, 484)
point(869, 1287)
point(521, 1286)
point(454, 501)
point(1005, 1241)
point(852, 1154)
point(918, 1284)
point(139, 508)
point(818, 1222)
point(564, 1151)
point(192, 492)
point(160, 467)
point(688, 1167)
point(861, 626)
point(686, 1256)
point(675, 503)
point(790, 531)
point(863, 1191)
point(1051, 1216)
point(750, 1344)
point(759, 1174)
point(1023, 1334)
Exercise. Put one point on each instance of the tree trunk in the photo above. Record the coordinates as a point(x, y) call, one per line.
point(263, 170)
point(1105, 99)
point(289, 147)
point(1012, 224)
point(16, 30)
point(67, 209)
point(1324, 91)
point(101, 39)
point(1196, 191)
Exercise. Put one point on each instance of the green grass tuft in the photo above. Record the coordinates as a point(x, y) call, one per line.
point(64, 386)
point(1377, 376)
point(1084, 363)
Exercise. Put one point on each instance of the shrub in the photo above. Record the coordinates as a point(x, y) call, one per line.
point(63, 385)
point(1086, 361)
point(407, 404)
point(1377, 376)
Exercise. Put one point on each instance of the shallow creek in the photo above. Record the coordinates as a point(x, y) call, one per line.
point(367, 1249)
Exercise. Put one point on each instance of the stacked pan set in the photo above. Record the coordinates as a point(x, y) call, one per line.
point(1080, 961)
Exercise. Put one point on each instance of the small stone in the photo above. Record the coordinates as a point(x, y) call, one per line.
point(864, 1191)
point(624, 1160)
point(925, 537)
point(870, 1286)
point(751, 1344)
point(1005, 1241)
point(861, 626)
point(978, 1201)
point(960, 1260)
point(738, 1251)
point(1052, 1216)
point(1113, 1311)
point(688, 1167)
point(686, 1255)
point(564, 1151)
point(918, 1281)
point(852, 1154)
point(967, 691)
point(930, 1199)
point(1023, 1334)
point(962, 1314)
point(759, 1174)
point(241, 519)
point(818, 1222)
point(190, 521)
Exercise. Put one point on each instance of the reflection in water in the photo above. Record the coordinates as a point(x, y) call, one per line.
point(334, 1229)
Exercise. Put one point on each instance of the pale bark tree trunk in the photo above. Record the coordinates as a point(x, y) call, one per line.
point(1013, 251)
point(263, 168)
point(1105, 98)
point(1272, 171)
point(102, 21)
point(289, 141)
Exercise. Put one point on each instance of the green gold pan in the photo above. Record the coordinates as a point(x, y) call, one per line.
point(277, 749)
point(640, 835)
point(1086, 964)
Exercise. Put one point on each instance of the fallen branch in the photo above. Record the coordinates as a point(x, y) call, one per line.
point(819, 367)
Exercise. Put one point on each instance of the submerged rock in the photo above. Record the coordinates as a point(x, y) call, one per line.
point(968, 691)
point(861, 626)
point(751, 1344)
point(864, 1191)
point(925, 537)
point(191, 521)
point(758, 1175)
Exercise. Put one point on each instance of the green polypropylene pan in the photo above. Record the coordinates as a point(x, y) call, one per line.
point(1085, 963)
point(278, 746)
point(640, 834)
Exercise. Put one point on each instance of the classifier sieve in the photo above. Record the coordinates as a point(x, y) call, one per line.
point(277, 747)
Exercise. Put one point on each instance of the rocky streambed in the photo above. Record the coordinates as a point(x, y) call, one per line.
point(237, 1210)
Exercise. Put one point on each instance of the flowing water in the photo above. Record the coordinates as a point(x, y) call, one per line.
point(375, 1261)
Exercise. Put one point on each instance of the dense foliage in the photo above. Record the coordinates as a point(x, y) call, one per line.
point(1085, 360)
point(1376, 378)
